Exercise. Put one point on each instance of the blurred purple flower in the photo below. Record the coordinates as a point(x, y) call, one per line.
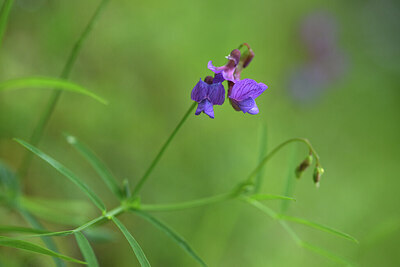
point(243, 93)
point(228, 70)
point(208, 93)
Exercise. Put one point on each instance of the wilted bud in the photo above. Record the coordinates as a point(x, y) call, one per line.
point(303, 165)
point(318, 171)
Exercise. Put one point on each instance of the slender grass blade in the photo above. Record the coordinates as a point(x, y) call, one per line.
point(318, 226)
point(134, 244)
point(50, 83)
point(173, 235)
point(66, 172)
point(24, 245)
point(96, 163)
point(86, 250)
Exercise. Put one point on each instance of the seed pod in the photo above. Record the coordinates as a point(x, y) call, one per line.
point(303, 166)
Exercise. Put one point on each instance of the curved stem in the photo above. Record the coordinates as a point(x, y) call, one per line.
point(44, 119)
point(250, 179)
point(189, 204)
point(142, 180)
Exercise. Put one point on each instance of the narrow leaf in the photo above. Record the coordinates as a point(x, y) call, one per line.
point(134, 244)
point(318, 226)
point(269, 197)
point(20, 244)
point(86, 250)
point(325, 253)
point(66, 172)
point(173, 235)
point(4, 13)
point(50, 83)
point(48, 241)
point(96, 163)
point(17, 229)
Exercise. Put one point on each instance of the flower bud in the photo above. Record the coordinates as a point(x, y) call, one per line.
point(303, 165)
point(318, 171)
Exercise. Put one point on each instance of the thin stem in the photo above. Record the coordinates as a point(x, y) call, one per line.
point(190, 204)
point(263, 151)
point(46, 115)
point(139, 185)
point(4, 13)
point(114, 212)
point(250, 179)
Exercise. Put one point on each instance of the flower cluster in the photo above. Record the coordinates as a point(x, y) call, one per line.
point(241, 93)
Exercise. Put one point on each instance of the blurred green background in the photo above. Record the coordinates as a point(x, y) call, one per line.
point(333, 74)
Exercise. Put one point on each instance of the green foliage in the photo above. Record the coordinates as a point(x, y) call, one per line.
point(86, 250)
point(173, 235)
point(96, 163)
point(134, 244)
point(66, 172)
point(51, 83)
point(20, 244)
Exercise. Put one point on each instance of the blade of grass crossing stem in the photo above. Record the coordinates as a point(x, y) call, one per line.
point(290, 180)
point(4, 13)
point(86, 250)
point(173, 235)
point(318, 227)
point(66, 172)
point(132, 241)
point(24, 245)
point(48, 241)
point(18, 229)
point(51, 83)
point(96, 163)
point(263, 152)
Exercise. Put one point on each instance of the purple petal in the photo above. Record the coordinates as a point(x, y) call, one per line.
point(199, 91)
point(213, 68)
point(216, 93)
point(254, 110)
point(218, 78)
point(247, 88)
point(247, 104)
point(226, 71)
point(206, 107)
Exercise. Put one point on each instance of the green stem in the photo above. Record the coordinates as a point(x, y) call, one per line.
point(139, 185)
point(114, 212)
point(250, 179)
point(4, 13)
point(46, 115)
point(190, 204)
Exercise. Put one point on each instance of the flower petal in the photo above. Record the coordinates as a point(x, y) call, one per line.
point(254, 110)
point(247, 88)
point(218, 78)
point(206, 107)
point(247, 104)
point(216, 93)
point(199, 91)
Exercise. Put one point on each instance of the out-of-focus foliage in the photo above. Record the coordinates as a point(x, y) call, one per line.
point(146, 56)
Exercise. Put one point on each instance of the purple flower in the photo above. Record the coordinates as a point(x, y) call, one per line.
point(228, 70)
point(208, 93)
point(243, 93)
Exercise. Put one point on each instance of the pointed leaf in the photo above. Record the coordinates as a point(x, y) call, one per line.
point(20, 244)
point(96, 163)
point(51, 83)
point(173, 235)
point(325, 253)
point(66, 172)
point(86, 250)
point(134, 244)
point(318, 226)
